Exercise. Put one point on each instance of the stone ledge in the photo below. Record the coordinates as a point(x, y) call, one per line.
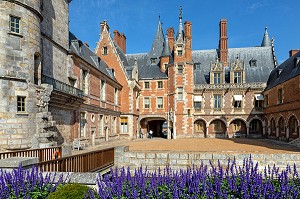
point(15, 162)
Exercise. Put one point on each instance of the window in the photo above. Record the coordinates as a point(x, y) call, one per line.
point(197, 101)
point(124, 124)
point(146, 102)
point(180, 93)
point(197, 66)
point(237, 101)
point(197, 105)
point(280, 96)
point(281, 125)
point(237, 126)
point(153, 60)
point(105, 50)
point(253, 63)
point(21, 104)
point(179, 52)
point(116, 96)
point(189, 112)
point(15, 24)
point(180, 69)
point(199, 126)
point(217, 101)
point(237, 77)
point(258, 103)
point(254, 125)
point(82, 124)
point(217, 126)
point(266, 100)
point(102, 90)
point(159, 84)
point(165, 66)
point(114, 125)
point(217, 78)
point(101, 125)
point(147, 85)
point(160, 102)
point(237, 104)
point(85, 81)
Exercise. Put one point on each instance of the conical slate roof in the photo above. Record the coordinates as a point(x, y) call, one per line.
point(266, 40)
point(157, 47)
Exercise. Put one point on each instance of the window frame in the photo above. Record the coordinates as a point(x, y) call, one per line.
point(104, 50)
point(11, 26)
point(82, 130)
point(217, 78)
point(180, 69)
point(146, 102)
point(160, 85)
point(147, 85)
point(21, 104)
point(237, 77)
point(102, 90)
point(160, 104)
point(180, 93)
point(217, 98)
point(280, 96)
point(123, 124)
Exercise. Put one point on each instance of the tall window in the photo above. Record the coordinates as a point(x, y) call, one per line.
point(281, 125)
point(258, 103)
point(146, 102)
point(124, 124)
point(15, 24)
point(180, 69)
point(254, 126)
point(217, 78)
point(102, 90)
point(237, 126)
point(116, 96)
point(159, 84)
point(85, 81)
point(237, 77)
point(199, 126)
point(114, 125)
point(180, 93)
point(105, 51)
point(217, 126)
point(101, 125)
point(266, 100)
point(21, 104)
point(237, 104)
point(160, 102)
point(82, 124)
point(147, 85)
point(217, 101)
point(280, 96)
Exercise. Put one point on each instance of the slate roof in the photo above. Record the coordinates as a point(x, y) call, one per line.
point(285, 71)
point(260, 73)
point(266, 40)
point(89, 56)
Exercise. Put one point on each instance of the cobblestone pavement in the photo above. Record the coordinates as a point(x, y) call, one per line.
point(242, 145)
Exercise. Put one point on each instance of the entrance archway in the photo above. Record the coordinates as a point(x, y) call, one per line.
point(256, 127)
point(281, 126)
point(273, 127)
point(157, 125)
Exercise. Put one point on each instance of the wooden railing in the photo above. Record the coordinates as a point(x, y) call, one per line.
point(44, 154)
point(86, 162)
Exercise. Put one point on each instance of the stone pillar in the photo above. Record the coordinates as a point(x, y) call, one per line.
point(248, 130)
point(287, 133)
point(207, 132)
point(277, 132)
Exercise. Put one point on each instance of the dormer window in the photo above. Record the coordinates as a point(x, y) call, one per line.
point(104, 50)
point(253, 63)
point(153, 60)
point(197, 66)
point(296, 61)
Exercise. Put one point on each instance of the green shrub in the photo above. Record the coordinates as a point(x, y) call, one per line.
point(71, 191)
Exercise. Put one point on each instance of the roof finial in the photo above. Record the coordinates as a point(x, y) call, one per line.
point(159, 17)
point(180, 12)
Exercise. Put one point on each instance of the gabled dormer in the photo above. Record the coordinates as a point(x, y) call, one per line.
point(237, 71)
point(217, 72)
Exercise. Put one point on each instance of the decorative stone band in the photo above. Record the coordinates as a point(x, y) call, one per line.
point(249, 86)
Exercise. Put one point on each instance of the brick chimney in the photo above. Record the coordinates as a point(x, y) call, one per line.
point(170, 34)
point(188, 40)
point(104, 25)
point(223, 42)
point(293, 52)
point(120, 39)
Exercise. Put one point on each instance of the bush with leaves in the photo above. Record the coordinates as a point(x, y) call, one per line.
point(72, 191)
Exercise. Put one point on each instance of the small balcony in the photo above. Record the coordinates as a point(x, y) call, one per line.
point(61, 86)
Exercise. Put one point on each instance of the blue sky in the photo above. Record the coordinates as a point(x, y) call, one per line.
point(138, 20)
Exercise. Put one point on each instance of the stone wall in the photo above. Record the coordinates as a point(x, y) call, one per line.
point(181, 160)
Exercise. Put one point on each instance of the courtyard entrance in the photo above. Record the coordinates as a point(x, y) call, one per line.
point(157, 125)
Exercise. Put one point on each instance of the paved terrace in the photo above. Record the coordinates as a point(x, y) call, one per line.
point(236, 145)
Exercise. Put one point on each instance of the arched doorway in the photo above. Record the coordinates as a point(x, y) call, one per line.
point(217, 128)
point(155, 124)
point(256, 127)
point(273, 128)
point(293, 128)
point(281, 126)
point(200, 128)
point(237, 125)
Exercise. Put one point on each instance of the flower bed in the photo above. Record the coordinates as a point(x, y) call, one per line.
point(203, 181)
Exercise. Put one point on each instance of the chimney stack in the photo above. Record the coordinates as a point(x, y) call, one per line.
point(223, 42)
point(188, 40)
point(293, 52)
point(170, 34)
point(120, 39)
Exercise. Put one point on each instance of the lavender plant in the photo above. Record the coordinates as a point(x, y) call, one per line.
point(27, 184)
point(199, 182)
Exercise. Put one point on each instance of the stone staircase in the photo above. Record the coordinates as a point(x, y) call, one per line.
point(46, 129)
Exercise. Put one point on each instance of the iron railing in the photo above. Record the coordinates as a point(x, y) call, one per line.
point(44, 154)
point(61, 86)
point(86, 162)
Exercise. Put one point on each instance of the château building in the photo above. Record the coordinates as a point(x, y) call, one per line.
point(54, 89)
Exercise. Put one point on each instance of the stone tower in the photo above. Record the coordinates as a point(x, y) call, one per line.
point(24, 118)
